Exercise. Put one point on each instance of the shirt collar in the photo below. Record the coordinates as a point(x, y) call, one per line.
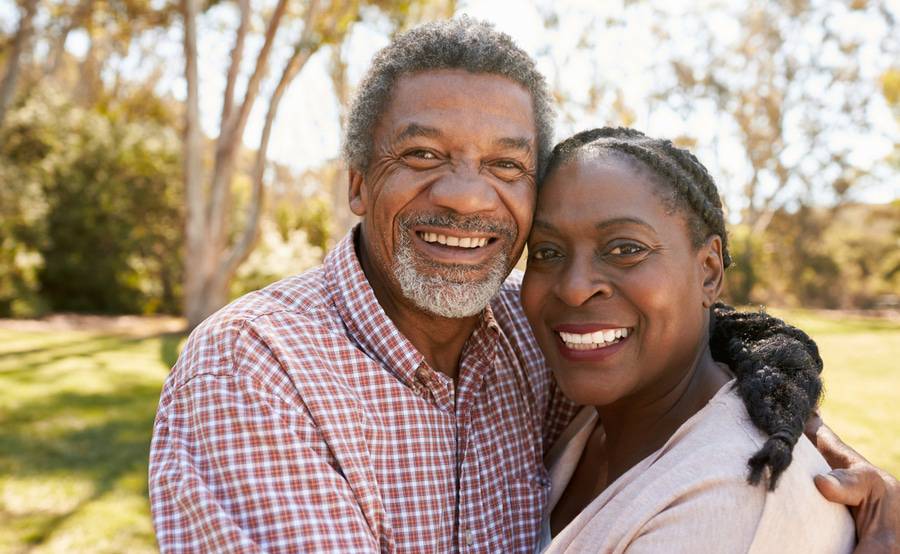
point(370, 327)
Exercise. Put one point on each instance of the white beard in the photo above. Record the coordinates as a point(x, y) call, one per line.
point(447, 293)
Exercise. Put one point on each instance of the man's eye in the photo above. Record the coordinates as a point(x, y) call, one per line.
point(507, 164)
point(422, 154)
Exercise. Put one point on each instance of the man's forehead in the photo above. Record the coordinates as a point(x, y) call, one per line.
point(427, 102)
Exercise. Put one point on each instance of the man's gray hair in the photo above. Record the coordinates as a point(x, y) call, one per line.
point(462, 43)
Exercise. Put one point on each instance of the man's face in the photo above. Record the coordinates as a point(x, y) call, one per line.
point(448, 196)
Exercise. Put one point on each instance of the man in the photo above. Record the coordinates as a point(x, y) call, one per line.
point(392, 399)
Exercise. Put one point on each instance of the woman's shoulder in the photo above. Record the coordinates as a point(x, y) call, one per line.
point(693, 493)
point(703, 477)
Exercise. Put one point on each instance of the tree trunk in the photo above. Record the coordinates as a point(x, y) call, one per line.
point(196, 263)
point(14, 62)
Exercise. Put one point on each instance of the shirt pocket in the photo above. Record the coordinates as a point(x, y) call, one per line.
point(526, 495)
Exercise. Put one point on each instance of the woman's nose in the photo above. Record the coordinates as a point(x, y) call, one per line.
point(580, 282)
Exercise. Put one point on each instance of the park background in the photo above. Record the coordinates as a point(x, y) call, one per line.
point(160, 157)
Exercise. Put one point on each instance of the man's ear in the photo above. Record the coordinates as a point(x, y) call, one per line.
point(359, 195)
point(713, 269)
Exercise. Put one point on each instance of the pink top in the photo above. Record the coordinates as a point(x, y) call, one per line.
point(692, 494)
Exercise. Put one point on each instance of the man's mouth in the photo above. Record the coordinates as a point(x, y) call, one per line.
point(593, 341)
point(453, 240)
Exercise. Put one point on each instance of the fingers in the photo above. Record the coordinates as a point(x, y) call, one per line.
point(841, 487)
point(812, 426)
point(833, 449)
point(853, 485)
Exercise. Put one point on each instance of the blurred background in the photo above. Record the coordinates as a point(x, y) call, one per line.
point(159, 158)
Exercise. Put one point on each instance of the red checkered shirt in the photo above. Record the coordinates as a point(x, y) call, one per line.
point(299, 419)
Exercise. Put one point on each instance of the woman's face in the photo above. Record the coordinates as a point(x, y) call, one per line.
point(615, 290)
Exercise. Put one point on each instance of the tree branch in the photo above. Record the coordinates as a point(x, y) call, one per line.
point(237, 54)
point(303, 50)
point(14, 62)
point(230, 137)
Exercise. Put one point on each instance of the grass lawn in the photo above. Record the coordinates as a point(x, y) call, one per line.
point(76, 411)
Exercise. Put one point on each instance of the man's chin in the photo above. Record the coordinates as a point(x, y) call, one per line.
point(440, 296)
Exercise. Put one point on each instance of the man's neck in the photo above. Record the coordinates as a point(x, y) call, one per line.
point(440, 340)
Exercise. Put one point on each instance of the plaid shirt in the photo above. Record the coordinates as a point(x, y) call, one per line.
point(299, 418)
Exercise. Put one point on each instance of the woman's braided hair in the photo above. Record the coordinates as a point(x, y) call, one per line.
point(777, 366)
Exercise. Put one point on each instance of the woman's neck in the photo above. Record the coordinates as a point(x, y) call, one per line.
point(636, 427)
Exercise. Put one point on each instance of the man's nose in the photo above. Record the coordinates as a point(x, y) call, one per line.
point(466, 190)
point(581, 281)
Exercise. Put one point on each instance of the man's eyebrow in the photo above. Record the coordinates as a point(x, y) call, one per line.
point(519, 143)
point(415, 130)
point(623, 221)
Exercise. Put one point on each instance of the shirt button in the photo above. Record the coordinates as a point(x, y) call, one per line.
point(470, 538)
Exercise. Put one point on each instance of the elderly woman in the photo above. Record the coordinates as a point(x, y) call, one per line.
point(626, 262)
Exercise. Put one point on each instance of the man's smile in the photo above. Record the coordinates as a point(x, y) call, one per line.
point(454, 246)
point(453, 240)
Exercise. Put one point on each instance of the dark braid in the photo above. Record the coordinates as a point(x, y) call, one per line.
point(777, 366)
point(778, 369)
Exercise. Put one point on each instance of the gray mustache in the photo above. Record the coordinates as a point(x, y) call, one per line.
point(472, 224)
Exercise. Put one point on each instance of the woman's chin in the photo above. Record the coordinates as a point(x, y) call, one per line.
point(588, 390)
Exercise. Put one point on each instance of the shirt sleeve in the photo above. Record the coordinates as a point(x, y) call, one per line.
point(235, 468)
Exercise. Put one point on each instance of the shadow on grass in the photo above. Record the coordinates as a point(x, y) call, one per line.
point(29, 362)
point(97, 437)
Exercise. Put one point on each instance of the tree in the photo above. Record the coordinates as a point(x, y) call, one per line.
point(785, 83)
point(20, 43)
point(90, 207)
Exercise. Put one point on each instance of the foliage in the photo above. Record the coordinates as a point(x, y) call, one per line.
point(277, 255)
point(846, 257)
point(96, 197)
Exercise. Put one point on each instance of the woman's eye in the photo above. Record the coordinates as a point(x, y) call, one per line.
point(627, 250)
point(540, 254)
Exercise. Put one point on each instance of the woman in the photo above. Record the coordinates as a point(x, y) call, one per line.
point(626, 261)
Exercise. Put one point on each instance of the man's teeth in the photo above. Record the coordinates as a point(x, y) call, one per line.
point(449, 240)
point(597, 339)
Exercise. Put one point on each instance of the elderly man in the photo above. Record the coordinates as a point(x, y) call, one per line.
point(394, 398)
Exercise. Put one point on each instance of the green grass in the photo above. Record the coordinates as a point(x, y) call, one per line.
point(862, 380)
point(76, 412)
point(77, 408)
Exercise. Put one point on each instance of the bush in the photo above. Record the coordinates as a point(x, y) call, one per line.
point(104, 203)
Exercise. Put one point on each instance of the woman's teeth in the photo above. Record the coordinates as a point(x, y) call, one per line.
point(591, 341)
point(448, 240)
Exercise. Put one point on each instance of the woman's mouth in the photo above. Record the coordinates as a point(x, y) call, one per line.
point(595, 340)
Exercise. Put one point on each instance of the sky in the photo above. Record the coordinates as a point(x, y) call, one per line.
point(621, 50)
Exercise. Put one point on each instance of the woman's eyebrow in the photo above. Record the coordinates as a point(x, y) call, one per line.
point(543, 225)
point(624, 221)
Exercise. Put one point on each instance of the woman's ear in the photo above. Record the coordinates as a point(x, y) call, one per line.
point(358, 193)
point(713, 269)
